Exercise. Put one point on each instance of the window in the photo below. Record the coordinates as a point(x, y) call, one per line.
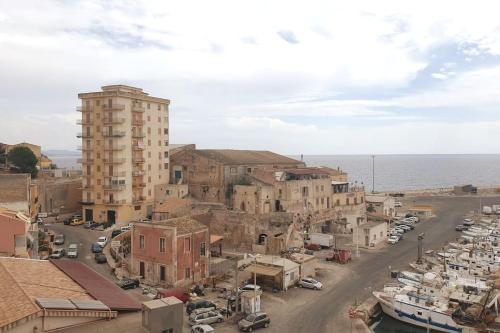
point(149, 179)
point(149, 118)
point(165, 165)
point(149, 154)
point(159, 142)
point(98, 155)
point(97, 102)
point(322, 201)
point(149, 106)
point(362, 200)
point(165, 154)
point(317, 188)
point(162, 244)
point(141, 268)
point(98, 196)
point(149, 192)
point(137, 207)
point(187, 273)
point(187, 244)
point(162, 273)
point(159, 120)
point(141, 242)
point(149, 142)
point(249, 170)
point(149, 130)
point(232, 170)
point(347, 201)
point(159, 108)
point(203, 251)
point(322, 188)
point(165, 131)
point(98, 181)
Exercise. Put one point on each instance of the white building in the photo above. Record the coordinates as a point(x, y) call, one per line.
point(369, 234)
point(379, 203)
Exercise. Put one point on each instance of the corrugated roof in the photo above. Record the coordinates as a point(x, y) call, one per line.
point(247, 157)
point(98, 286)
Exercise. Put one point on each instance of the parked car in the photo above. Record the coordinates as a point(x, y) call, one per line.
point(39, 221)
point(208, 317)
point(398, 204)
point(313, 247)
point(393, 240)
point(102, 241)
point(128, 283)
point(404, 227)
point(73, 251)
point(76, 221)
point(249, 287)
point(202, 329)
point(57, 254)
point(100, 258)
point(115, 233)
point(410, 225)
point(125, 228)
point(199, 304)
point(253, 321)
point(178, 293)
point(400, 230)
point(468, 222)
point(59, 239)
point(461, 227)
point(67, 222)
point(310, 283)
point(91, 225)
point(96, 248)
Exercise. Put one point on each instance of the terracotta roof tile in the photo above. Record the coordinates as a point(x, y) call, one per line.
point(247, 157)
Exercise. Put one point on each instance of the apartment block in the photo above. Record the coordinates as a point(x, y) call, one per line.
point(124, 152)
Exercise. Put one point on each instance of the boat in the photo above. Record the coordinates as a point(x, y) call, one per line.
point(421, 310)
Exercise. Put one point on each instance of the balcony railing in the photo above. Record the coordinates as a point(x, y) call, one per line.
point(139, 184)
point(114, 187)
point(83, 108)
point(84, 148)
point(114, 160)
point(138, 159)
point(85, 160)
point(138, 147)
point(84, 135)
point(115, 174)
point(137, 108)
point(137, 122)
point(114, 147)
point(114, 202)
point(137, 173)
point(87, 186)
point(138, 134)
point(114, 107)
point(113, 133)
point(84, 121)
point(138, 199)
point(113, 120)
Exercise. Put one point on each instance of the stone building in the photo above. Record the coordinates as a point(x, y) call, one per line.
point(369, 234)
point(124, 152)
point(211, 174)
point(18, 193)
point(173, 252)
point(381, 203)
point(59, 195)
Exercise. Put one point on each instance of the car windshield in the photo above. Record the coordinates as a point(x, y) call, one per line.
point(101, 239)
point(250, 317)
point(72, 247)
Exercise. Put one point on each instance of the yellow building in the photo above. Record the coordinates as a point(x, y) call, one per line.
point(124, 152)
point(43, 161)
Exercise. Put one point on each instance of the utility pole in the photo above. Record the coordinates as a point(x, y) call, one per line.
point(357, 237)
point(373, 173)
point(420, 249)
point(236, 283)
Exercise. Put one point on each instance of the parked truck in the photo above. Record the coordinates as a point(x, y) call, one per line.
point(323, 240)
point(496, 209)
point(487, 210)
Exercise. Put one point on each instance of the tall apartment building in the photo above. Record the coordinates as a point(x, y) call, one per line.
point(124, 152)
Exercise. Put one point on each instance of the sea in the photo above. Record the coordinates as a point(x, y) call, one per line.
point(395, 172)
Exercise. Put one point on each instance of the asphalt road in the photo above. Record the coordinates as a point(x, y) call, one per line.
point(329, 312)
point(84, 238)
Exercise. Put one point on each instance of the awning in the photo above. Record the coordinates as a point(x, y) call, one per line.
point(263, 270)
point(215, 238)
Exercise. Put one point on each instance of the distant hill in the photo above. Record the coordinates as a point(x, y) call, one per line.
point(61, 152)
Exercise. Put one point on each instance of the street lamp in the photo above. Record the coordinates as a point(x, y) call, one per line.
point(373, 173)
point(254, 280)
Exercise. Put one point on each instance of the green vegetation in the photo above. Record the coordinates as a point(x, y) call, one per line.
point(24, 159)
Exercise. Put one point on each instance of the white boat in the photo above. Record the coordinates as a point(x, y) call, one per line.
point(421, 310)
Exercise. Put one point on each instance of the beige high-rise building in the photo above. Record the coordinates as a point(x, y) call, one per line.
point(124, 152)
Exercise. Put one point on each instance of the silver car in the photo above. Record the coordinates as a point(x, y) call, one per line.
point(72, 251)
point(310, 283)
point(208, 317)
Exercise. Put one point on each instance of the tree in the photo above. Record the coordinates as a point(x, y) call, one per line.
point(24, 159)
point(3, 155)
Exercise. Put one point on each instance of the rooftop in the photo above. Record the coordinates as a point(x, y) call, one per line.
point(376, 198)
point(184, 225)
point(307, 171)
point(247, 157)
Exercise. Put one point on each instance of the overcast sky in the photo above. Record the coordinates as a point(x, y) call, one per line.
point(312, 77)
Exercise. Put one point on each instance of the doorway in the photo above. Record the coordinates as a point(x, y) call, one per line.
point(89, 214)
point(111, 217)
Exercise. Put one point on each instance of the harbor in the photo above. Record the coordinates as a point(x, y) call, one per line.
point(451, 288)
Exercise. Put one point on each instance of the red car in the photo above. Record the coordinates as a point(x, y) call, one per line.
point(313, 247)
point(179, 293)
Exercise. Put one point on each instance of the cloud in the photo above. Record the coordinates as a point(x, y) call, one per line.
point(288, 36)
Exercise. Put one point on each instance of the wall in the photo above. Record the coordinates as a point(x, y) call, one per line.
point(59, 196)
point(14, 192)
point(164, 192)
point(10, 227)
point(198, 264)
point(376, 233)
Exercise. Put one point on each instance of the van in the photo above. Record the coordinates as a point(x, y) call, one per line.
point(43, 215)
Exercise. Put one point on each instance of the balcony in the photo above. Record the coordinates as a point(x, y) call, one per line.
point(114, 187)
point(138, 134)
point(115, 174)
point(137, 108)
point(138, 147)
point(87, 186)
point(85, 160)
point(114, 147)
point(83, 109)
point(138, 159)
point(114, 107)
point(108, 121)
point(113, 133)
point(114, 160)
point(138, 199)
point(138, 122)
point(137, 173)
point(139, 184)
point(84, 121)
point(84, 135)
point(84, 148)
point(87, 202)
point(113, 202)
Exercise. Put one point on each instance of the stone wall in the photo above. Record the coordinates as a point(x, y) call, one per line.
point(60, 196)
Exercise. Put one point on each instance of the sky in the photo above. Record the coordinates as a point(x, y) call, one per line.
point(295, 77)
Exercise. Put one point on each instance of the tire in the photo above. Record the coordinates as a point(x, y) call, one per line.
point(300, 286)
point(219, 320)
point(266, 325)
point(250, 329)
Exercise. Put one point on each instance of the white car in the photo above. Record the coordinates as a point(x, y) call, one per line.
point(208, 317)
point(125, 228)
point(102, 241)
point(400, 230)
point(398, 204)
point(393, 239)
point(72, 251)
point(404, 227)
point(310, 283)
point(250, 287)
point(202, 329)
